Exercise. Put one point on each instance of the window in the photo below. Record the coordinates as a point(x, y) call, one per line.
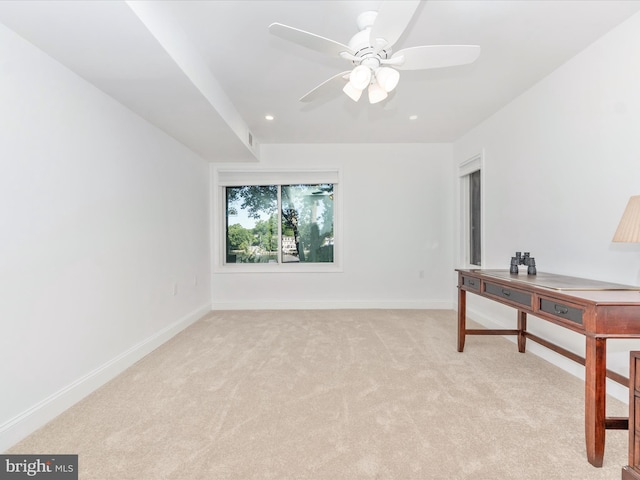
point(307, 223)
point(267, 225)
point(279, 223)
point(470, 173)
point(475, 245)
point(251, 224)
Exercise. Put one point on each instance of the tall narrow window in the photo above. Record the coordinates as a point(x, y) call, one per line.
point(475, 244)
point(470, 173)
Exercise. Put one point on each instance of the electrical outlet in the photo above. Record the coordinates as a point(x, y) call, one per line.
point(195, 280)
point(421, 274)
point(175, 288)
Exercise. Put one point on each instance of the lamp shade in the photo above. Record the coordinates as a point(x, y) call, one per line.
point(360, 77)
point(629, 227)
point(387, 78)
point(353, 93)
point(376, 93)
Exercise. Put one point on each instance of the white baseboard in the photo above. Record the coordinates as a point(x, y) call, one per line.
point(614, 389)
point(328, 305)
point(26, 422)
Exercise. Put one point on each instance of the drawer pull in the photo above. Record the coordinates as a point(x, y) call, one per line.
point(505, 293)
point(472, 283)
point(560, 309)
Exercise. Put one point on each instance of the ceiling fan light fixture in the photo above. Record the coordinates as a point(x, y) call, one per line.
point(353, 93)
point(376, 93)
point(360, 77)
point(387, 78)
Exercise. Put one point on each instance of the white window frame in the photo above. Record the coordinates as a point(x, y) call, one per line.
point(235, 177)
point(466, 168)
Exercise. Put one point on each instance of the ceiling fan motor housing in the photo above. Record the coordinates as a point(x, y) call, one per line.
point(361, 43)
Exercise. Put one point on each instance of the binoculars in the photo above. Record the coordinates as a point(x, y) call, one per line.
point(525, 259)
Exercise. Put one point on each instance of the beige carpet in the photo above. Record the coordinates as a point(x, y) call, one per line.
point(329, 394)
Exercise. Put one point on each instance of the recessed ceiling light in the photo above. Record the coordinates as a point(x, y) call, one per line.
point(413, 117)
point(268, 117)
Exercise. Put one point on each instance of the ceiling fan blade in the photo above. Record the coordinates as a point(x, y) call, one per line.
point(334, 83)
point(391, 21)
point(307, 39)
point(435, 56)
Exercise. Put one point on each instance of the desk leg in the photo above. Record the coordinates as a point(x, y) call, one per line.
point(522, 330)
point(462, 318)
point(595, 398)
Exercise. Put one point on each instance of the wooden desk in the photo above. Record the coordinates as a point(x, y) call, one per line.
point(598, 310)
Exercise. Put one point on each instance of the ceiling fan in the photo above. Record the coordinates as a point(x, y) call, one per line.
point(375, 65)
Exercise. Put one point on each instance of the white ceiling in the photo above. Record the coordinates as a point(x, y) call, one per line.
point(207, 72)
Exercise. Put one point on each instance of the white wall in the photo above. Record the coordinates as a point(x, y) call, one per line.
point(397, 222)
point(101, 215)
point(560, 164)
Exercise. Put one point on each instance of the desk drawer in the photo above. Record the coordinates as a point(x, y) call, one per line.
point(471, 282)
point(514, 296)
point(561, 310)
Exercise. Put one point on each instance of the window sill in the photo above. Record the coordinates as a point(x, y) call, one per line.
point(278, 268)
